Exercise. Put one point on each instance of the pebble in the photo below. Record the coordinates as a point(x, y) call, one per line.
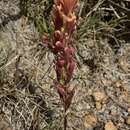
point(98, 105)
point(99, 96)
point(128, 109)
point(110, 126)
point(90, 121)
point(118, 83)
point(128, 120)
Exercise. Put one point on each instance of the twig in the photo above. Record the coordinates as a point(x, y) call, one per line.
point(10, 62)
point(115, 12)
point(95, 8)
point(125, 10)
point(65, 121)
point(81, 8)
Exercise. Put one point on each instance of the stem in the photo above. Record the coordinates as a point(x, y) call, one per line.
point(65, 120)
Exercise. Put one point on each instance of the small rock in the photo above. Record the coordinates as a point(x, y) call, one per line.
point(90, 92)
point(99, 96)
point(106, 82)
point(98, 105)
point(90, 121)
point(113, 110)
point(128, 109)
point(118, 83)
point(110, 126)
point(128, 120)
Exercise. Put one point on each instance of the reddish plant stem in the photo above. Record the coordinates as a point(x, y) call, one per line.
point(65, 121)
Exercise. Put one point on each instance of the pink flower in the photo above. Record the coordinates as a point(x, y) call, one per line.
point(69, 52)
point(58, 18)
point(58, 71)
point(58, 36)
point(60, 62)
point(45, 39)
point(59, 45)
point(66, 94)
point(67, 5)
point(60, 89)
point(70, 69)
point(70, 24)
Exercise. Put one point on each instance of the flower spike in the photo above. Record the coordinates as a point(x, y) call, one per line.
point(64, 20)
